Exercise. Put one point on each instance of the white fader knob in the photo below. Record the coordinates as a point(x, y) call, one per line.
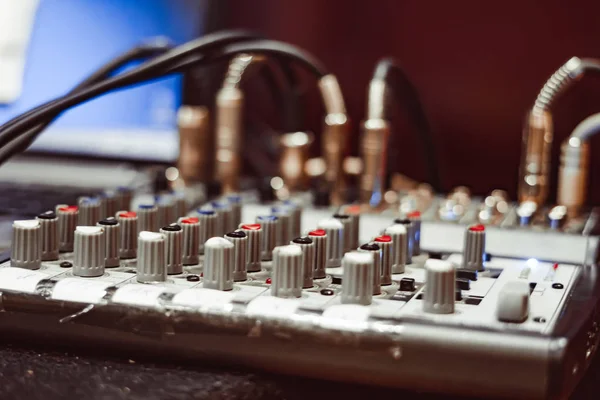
point(513, 302)
point(474, 250)
point(400, 247)
point(49, 226)
point(440, 293)
point(89, 251)
point(357, 280)
point(335, 241)
point(26, 249)
point(218, 264)
point(152, 257)
point(286, 281)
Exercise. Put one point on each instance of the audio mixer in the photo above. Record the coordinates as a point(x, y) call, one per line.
point(499, 306)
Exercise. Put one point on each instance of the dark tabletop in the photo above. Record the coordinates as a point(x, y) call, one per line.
point(33, 371)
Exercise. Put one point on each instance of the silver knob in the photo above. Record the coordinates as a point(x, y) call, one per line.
point(474, 250)
point(166, 206)
point(124, 195)
point(387, 258)
point(439, 296)
point(284, 225)
point(147, 215)
point(410, 232)
point(111, 202)
point(67, 222)
point(89, 252)
point(347, 224)
point(415, 219)
point(49, 226)
point(375, 250)
point(191, 240)
point(269, 225)
point(353, 212)
point(254, 233)
point(335, 241)
point(235, 202)
point(152, 257)
point(240, 252)
point(128, 242)
point(173, 241)
point(89, 211)
point(218, 264)
point(400, 247)
point(308, 259)
point(357, 280)
point(112, 237)
point(181, 205)
point(224, 216)
point(26, 246)
point(208, 226)
point(287, 272)
point(295, 208)
point(319, 238)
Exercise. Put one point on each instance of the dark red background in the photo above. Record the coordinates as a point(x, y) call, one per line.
point(477, 65)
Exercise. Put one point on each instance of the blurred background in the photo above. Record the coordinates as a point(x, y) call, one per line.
point(477, 68)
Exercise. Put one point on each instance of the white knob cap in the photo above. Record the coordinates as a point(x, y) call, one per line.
point(152, 257)
point(89, 252)
point(513, 302)
point(474, 250)
point(440, 278)
point(67, 222)
point(218, 264)
point(400, 247)
point(173, 241)
point(287, 271)
point(254, 233)
point(112, 235)
point(128, 242)
point(191, 240)
point(335, 241)
point(49, 226)
point(357, 280)
point(26, 249)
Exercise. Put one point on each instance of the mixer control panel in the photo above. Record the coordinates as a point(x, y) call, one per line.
point(322, 277)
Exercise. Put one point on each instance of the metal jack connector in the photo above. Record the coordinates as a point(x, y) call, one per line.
point(195, 155)
point(228, 160)
point(373, 147)
point(294, 154)
point(573, 173)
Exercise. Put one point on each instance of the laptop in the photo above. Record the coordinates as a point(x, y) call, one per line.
point(102, 143)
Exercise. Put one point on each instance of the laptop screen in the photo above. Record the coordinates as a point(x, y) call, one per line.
point(63, 42)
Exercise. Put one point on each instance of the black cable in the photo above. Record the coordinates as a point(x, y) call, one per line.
point(148, 49)
point(175, 60)
point(406, 94)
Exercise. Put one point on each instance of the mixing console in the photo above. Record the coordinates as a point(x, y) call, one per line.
point(450, 294)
